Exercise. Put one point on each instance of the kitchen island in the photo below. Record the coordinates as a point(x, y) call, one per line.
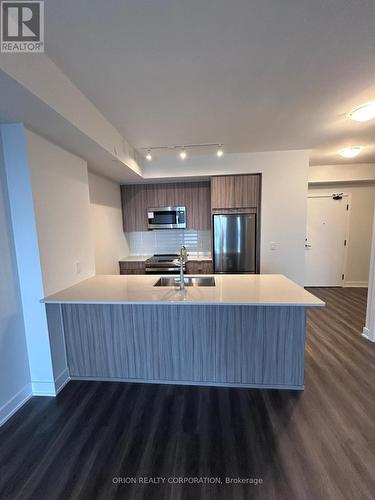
point(246, 331)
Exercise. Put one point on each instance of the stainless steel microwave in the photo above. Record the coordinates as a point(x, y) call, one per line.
point(166, 218)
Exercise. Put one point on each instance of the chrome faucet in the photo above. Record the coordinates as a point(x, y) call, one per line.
point(182, 259)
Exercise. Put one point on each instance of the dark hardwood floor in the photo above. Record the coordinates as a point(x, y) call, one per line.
point(316, 444)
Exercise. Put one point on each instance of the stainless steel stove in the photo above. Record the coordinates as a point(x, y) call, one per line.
point(163, 263)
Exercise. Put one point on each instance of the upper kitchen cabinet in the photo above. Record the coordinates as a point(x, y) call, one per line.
point(134, 199)
point(138, 198)
point(235, 191)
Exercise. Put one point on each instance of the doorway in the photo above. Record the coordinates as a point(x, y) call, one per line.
point(326, 239)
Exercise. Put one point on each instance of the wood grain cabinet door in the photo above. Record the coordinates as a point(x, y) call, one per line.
point(207, 267)
point(199, 267)
point(192, 267)
point(235, 191)
point(135, 199)
point(132, 267)
point(195, 196)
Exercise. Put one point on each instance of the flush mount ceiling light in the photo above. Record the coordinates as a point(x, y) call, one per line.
point(363, 113)
point(350, 152)
point(183, 149)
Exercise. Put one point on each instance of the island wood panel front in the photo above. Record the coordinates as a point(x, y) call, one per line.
point(137, 198)
point(252, 346)
point(235, 191)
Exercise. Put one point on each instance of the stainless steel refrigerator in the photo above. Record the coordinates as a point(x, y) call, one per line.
point(235, 243)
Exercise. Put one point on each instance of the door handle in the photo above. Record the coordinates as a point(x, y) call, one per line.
point(307, 246)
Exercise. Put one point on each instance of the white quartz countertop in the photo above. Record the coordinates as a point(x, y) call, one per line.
point(135, 258)
point(230, 289)
point(143, 258)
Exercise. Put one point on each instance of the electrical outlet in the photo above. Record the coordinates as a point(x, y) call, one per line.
point(78, 267)
point(272, 245)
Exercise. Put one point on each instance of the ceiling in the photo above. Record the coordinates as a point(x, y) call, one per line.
point(257, 75)
point(47, 122)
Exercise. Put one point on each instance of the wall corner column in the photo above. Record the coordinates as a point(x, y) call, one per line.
point(25, 236)
point(369, 328)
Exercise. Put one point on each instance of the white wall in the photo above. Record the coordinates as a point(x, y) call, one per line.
point(350, 172)
point(359, 181)
point(61, 199)
point(43, 79)
point(360, 228)
point(50, 216)
point(15, 386)
point(369, 328)
point(21, 209)
point(284, 193)
point(106, 222)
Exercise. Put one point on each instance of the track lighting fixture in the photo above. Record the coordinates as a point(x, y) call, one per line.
point(183, 149)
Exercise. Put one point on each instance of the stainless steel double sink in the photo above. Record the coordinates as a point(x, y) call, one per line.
point(188, 281)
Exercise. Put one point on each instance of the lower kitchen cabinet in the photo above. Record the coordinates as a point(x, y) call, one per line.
point(199, 267)
point(132, 267)
point(192, 267)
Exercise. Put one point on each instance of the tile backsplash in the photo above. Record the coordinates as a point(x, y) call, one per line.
point(169, 241)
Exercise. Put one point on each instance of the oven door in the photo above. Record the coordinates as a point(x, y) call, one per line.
point(166, 218)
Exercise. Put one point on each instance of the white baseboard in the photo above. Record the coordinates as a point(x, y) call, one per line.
point(356, 284)
point(366, 334)
point(41, 388)
point(33, 389)
point(44, 388)
point(62, 380)
point(15, 403)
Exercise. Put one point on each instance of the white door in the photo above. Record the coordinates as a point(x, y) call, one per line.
point(326, 240)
